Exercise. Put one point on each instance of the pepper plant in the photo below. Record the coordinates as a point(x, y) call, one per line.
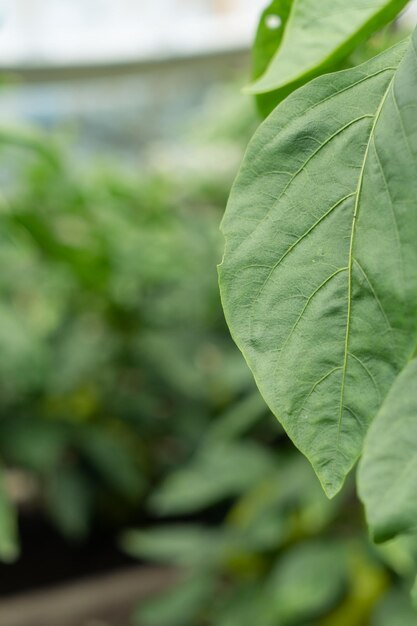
point(319, 275)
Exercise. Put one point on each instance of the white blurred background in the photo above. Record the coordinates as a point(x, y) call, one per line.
point(85, 31)
point(122, 72)
point(34, 32)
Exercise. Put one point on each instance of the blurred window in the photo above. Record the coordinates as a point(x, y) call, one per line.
point(72, 31)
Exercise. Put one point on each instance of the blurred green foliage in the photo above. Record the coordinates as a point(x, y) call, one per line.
point(114, 356)
point(121, 391)
point(282, 554)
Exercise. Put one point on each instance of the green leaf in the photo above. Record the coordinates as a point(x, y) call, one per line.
point(396, 609)
point(400, 554)
point(185, 545)
point(237, 419)
point(112, 459)
point(218, 472)
point(268, 38)
point(307, 581)
point(9, 543)
point(69, 499)
point(33, 443)
point(178, 606)
point(246, 605)
point(414, 595)
point(265, 514)
point(387, 476)
point(319, 275)
point(314, 37)
point(269, 35)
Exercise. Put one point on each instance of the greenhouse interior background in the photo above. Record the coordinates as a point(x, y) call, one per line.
point(143, 479)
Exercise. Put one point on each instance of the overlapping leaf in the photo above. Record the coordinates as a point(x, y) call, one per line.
point(319, 276)
point(312, 37)
point(271, 29)
point(388, 470)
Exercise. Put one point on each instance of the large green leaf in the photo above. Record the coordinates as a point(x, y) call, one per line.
point(388, 470)
point(313, 37)
point(319, 276)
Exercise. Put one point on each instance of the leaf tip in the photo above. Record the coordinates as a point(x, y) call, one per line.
point(331, 479)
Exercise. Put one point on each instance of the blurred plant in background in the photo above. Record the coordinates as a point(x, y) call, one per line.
point(114, 353)
point(122, 395)
point(283, 554)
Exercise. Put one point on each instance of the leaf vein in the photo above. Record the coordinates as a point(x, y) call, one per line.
point(368, 371)
point(301, 169)
point(309, 299)
point(378, 301)
point(350, 263)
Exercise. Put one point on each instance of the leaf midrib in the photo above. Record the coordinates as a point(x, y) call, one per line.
point(350, 259)
point(311, 108)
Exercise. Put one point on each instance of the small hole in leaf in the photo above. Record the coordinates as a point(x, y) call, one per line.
point(273, 21)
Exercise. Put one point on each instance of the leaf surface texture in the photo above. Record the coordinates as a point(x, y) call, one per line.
point(319, 274)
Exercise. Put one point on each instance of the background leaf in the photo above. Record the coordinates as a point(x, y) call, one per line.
point(9, 545)
point(177, 606)
point(218, 472)
point(394, 609)
point(184, 545)
point(307, 581)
